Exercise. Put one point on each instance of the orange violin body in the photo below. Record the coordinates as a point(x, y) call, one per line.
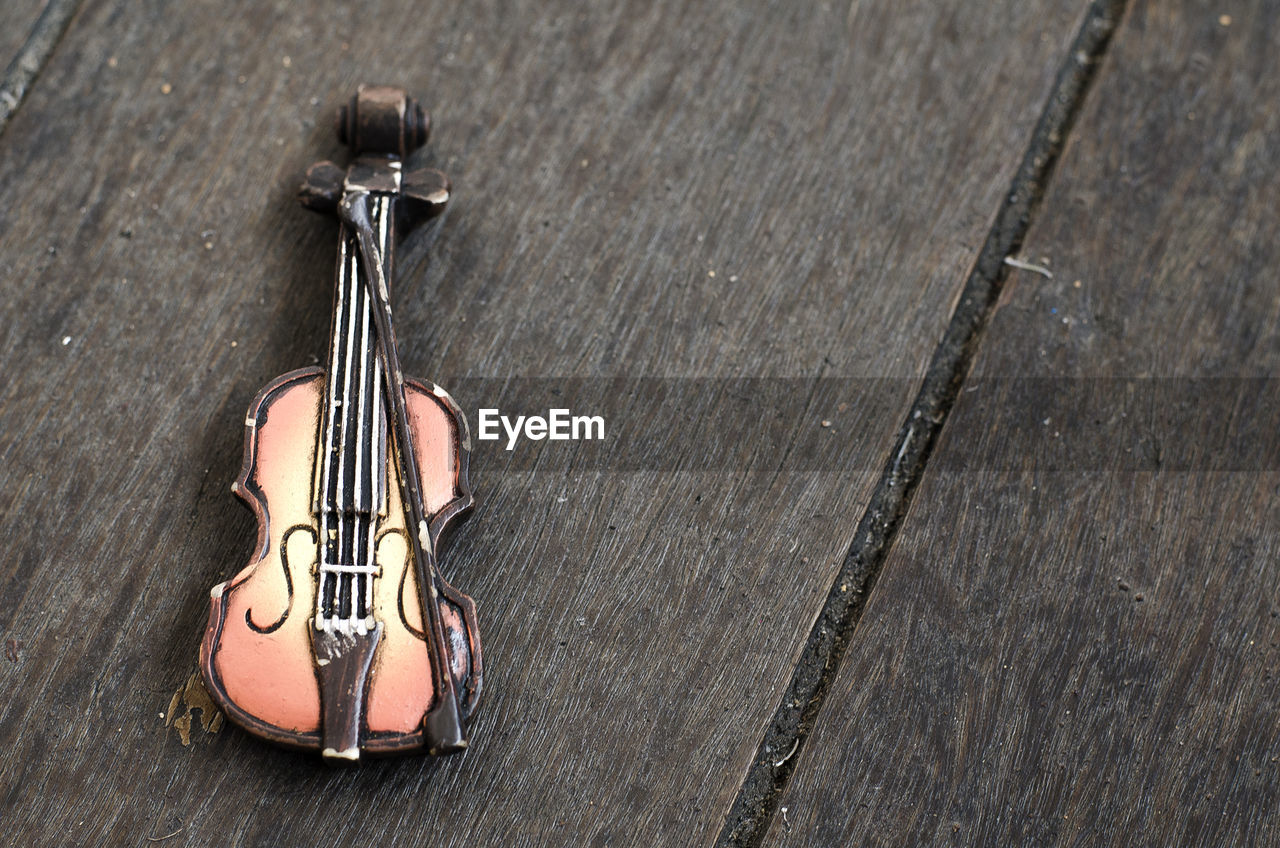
point(257, 655)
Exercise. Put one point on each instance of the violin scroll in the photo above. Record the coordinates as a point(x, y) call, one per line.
point(383, 119)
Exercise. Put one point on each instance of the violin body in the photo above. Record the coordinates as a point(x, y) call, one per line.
point(341, 635)
point(257, 658)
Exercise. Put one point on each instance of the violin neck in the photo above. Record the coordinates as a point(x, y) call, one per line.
point(351, 471)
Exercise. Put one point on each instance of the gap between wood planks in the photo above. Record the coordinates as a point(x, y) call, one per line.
point(36, 50)
point(748, 819)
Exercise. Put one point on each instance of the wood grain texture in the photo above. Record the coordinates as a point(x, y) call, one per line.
point(836, 168)
point(19, 15)
point(1077, 645)
point(31, 30)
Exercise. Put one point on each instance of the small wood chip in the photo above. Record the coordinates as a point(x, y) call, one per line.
point(163, 838)
point(1028, 266)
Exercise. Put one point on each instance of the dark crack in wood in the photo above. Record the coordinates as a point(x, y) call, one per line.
point(749, 818)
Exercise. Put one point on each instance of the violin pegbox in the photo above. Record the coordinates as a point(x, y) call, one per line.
point(385, 122)
point(424, 191)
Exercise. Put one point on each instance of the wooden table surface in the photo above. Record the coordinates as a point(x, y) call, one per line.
point(935, 344)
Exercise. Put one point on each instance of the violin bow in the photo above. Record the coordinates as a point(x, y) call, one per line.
point(443, 724)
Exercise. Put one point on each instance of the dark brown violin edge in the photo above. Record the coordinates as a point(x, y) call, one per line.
point(341, 635)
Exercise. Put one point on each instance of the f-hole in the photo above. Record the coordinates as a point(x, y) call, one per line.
point(288, 581)
point(404, 575)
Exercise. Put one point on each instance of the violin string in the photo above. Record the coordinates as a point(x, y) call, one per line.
point(346, 474)
point(326, 450)
point(360, 544)
point(334, 460)
point(350, 452)
point(327, 591)
point(376, 468)
point(362, 613)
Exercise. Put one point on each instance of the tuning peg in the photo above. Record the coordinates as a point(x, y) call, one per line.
point(426, 191)
point(322, 187)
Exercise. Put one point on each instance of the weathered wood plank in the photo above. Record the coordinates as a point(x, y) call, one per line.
point(1074, 640)
point(19, 15)
point(29, 32)
point(836, 168)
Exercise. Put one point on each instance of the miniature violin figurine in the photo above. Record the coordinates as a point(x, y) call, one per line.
point(341, 635)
